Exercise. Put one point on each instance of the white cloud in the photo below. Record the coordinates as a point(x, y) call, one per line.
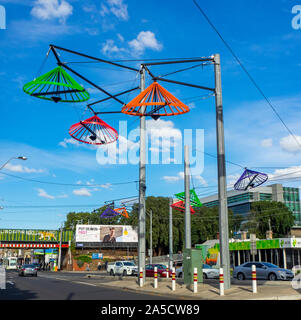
point(42, 193)
point(109, 48)
point(62, 196)
point(266, 143)
point(286, 174)
point(20, 168)
point(50, 9)
point(83, 192)
point(115, 7)
point(289, 144)
point(180, 176)
point(145, 40)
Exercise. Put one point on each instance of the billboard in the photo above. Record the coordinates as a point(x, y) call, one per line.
point(106, 233)
point(34, 235)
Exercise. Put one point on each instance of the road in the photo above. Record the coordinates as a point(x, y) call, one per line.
point(65, 286)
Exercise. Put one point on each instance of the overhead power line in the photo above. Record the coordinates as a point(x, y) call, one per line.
point(69, 184)
point(247, 72)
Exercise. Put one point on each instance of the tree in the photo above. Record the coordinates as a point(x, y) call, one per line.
point(281, 218)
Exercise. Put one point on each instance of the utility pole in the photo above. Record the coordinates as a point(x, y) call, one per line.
point(222, 185)
point(142, 184)
point(151, 236)
point(60, 250)
point(170, 235)
point(187, 199)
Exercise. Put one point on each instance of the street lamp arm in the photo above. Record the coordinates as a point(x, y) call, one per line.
point(19, 158)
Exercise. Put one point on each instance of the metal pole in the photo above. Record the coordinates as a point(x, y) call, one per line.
point(222, 184)
point(151, 237)
point(170, 235)
point(142, 185)
point(60, 250)
point(187, 200)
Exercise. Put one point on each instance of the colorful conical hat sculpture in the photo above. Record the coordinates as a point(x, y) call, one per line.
point(93, 131)
point(56, 85)
point(194, 200)
point(158, 102)
point(250, 179)
point(122, 212)
point(109, 213)
point(180, 206)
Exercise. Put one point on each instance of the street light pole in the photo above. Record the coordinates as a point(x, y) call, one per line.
point(170, 235)
point(19, 158)
point(187, 199)
point(142, 184)
point(60, 250)
point(151, 236)
point(222, 184)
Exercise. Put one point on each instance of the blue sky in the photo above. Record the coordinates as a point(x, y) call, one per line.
point(262, 36)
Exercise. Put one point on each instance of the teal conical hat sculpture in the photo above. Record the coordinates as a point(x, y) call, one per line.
point(56, 85)
point(194, 200)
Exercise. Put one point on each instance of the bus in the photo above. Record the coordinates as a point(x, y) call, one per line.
point(10, 263)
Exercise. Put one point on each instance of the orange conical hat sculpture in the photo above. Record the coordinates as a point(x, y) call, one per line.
point(157, 101)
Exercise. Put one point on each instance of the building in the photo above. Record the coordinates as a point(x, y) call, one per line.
point(240, 201)
point(284, 252)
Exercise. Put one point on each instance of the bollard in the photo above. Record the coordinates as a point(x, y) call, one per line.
point(167, 272)
point(155, 277)
point(254, 280)
point(141, 277)
point(221, 282)
point(195, 280)
point(173, 279)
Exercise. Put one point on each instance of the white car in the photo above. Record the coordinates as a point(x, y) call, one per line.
point(124, 268)
point(208, 272)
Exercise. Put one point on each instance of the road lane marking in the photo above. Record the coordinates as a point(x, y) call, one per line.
point(89, 284)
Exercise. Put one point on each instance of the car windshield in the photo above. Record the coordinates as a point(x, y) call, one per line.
point(270, 265)
point(160, 266)
point(129, 264)
point(206, 266)
point(28, 266)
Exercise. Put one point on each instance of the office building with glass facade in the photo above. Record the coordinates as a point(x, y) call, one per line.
point(240, 201)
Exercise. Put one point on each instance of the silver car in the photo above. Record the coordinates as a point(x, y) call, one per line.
point(264, 271)
point(28, 270)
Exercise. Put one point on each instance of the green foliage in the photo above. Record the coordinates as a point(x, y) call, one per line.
point(281, 219)
point(84, 258)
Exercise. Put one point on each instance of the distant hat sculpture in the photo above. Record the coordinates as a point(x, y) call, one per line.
point(58, 86)
point(109, 213)
point(250, 179)
point(180, 206)
point(122, 211)
point(194, 200)
point(157, 101)
point(93, 131)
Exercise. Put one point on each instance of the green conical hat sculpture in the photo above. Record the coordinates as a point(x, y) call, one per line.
point(56, 85)
point(194, 200)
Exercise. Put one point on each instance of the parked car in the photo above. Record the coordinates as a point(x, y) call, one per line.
point(264, 270)
point(208, 272)
point(122, 268)
point(28, 270)
point(161, 269)
point(37, 265)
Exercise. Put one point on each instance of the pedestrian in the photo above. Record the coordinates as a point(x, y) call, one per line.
point(99, 266)
point(88, 267)
point(106, 264)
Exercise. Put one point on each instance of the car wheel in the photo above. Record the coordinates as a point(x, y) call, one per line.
point(205, 276)
point(111, 272)
point(272, 277)
point(124, 273)
point(240, 276)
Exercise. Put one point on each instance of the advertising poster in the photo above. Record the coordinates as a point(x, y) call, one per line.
point(106, 233)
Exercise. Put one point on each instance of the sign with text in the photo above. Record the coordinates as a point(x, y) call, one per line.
point(106, 233)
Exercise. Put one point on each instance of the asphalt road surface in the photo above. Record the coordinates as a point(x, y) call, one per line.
point(65, 286)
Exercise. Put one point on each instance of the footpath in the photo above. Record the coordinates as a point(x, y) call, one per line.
point(209, 290)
